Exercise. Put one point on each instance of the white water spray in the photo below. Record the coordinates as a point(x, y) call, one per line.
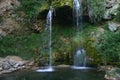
point(77, 13)
point(49, 24)
point(80, 55)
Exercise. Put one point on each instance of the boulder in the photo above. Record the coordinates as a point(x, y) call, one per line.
point(111, 8)
point(15, 61)
point(12, 63)
point(113, 26)
point(15, 58)
point(12, 69)
point(113, 74)
point(6, 65)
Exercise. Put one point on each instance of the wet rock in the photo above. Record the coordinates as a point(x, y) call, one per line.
point(5, 71)
point(104, 68)
point(112, 26)
point(113, 74)
point(22, 67)
point(6, 66)
point(12, 69)
point(16, 65)
point(12, 63)
point(30, 63)
point(63, 65)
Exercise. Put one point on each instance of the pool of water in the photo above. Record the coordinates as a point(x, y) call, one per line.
point(58, 74)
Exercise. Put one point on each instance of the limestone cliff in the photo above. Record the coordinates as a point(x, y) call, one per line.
point(7, 22)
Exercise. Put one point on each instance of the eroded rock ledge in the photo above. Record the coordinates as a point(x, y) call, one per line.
point(13, 63)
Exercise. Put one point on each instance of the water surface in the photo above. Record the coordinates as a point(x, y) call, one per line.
point(58, 74)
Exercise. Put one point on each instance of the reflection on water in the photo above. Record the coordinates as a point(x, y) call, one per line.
point(59, 74)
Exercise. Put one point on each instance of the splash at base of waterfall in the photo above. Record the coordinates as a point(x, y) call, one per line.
point(46, 69)
point(77, 67)
point(80, 58)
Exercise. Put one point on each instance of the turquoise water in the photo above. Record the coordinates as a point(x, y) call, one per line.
point(58, 74)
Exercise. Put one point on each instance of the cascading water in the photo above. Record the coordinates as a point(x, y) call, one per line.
point(49, 26)
point(80, 55)
point(80, 59)
point(77, 13)
point(49, 23)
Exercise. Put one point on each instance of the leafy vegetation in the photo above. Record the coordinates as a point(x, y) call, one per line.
point(96, 10)
point(28, 11)
point(109, 48)
point(30, 7)
point(65, 38)
point(21, 45)
point(117, 17)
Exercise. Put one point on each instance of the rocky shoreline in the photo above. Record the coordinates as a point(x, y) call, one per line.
point(13, 63)
point(111, 72)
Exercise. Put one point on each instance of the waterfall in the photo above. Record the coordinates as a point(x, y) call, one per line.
point(80, 55)
point(77, 13)
point(49, 24)
point(80, 58)
point(49, 27)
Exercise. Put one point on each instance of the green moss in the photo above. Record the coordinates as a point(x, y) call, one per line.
point(58, 3)
point(92, 53)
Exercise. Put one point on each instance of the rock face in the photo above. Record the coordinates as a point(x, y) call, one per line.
point(12, 63)
point(7, 24)
point(7, 5)
point(113, 26)
point(111, 7)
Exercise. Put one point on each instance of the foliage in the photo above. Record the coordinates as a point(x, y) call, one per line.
point(29, 9)
point(90, 32)
point(63, 47)
point(109, 48)
point(23, 45)
point(58, 3)
point(96, 10)
point(117, 17)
